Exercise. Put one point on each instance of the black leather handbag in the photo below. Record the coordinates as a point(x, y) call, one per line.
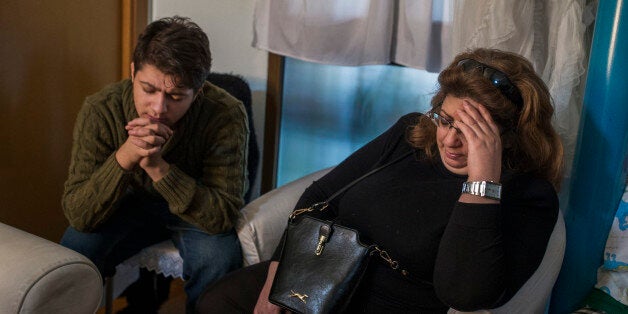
point(322, 262)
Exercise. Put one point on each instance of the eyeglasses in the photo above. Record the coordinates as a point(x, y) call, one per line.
point(442, 121)
point(497, 78)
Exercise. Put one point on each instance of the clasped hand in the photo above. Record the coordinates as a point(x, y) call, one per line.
point(144, 145)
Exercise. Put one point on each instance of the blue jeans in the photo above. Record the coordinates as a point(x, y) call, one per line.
point(141, 220)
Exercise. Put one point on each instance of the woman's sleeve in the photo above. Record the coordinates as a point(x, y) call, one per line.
point(488, 251)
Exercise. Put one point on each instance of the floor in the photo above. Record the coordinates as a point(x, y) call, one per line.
point(174, 305)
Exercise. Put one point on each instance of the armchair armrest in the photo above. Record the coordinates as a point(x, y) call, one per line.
point(39, 276)
point(265, 218)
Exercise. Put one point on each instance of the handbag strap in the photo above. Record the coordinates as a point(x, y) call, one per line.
point(376, 249)
point(323, 205)
point(352, 183)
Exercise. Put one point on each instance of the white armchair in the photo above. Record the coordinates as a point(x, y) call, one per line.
point(39, 276)
point(265, 218)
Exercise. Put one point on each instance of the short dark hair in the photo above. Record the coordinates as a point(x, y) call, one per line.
point(176, 46)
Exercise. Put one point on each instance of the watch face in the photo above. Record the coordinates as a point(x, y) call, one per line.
point(493, 190)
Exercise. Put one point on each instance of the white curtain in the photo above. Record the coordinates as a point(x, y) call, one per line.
point(426, 34)
point(353, 32)
point(423, 32)
point(549, 33)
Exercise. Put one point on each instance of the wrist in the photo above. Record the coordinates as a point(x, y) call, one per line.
point(156, 169)
point(125, 159)
point(491, 176)
point(475, 191)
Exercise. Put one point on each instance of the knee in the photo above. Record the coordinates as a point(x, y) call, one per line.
point(214, 265)
point(237, 292)
point(221, 255)
point(79, 242)
point(87, 244)
point(220, 297)
point(209, 300)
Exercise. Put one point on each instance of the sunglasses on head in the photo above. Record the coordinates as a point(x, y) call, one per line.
point(497, 78)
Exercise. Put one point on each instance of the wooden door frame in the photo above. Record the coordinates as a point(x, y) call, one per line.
point(272, 121)
point(134, 20)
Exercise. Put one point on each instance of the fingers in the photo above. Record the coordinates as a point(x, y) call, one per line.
point(476, 121)
point(148, 142)
point(146, 127)
point(150, 131)
point(146, 137)
point(487, 117)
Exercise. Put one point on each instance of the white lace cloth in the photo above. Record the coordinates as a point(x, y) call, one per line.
point(162, 258)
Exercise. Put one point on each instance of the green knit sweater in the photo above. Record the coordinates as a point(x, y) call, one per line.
point(207, 157)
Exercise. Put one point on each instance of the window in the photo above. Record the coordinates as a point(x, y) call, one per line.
point(331, 111)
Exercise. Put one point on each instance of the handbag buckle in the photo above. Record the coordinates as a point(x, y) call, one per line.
point(323, 236)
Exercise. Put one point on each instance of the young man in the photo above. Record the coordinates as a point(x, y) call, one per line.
point(160, 155)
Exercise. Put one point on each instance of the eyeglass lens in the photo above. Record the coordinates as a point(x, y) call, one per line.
point(442, 121)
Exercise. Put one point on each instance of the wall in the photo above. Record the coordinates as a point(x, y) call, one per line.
point(229, 25)
point(53, 54)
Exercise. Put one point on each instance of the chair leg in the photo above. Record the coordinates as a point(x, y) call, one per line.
point(148, 292)
point(108, 295)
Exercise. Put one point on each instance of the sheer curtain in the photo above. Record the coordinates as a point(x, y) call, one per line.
point(550, 33)
point(426, 34)
point(356, 32)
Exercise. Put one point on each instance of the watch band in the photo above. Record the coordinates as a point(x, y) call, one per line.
point(488, 189)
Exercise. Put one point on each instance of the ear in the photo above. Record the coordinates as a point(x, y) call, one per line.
point(132, 71)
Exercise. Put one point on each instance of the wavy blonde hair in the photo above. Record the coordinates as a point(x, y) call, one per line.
point(530, 143)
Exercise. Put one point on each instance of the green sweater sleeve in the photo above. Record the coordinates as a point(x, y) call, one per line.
point(213, 200)
point(95, 179)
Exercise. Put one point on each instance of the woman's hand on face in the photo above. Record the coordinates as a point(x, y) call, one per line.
point(484, 156)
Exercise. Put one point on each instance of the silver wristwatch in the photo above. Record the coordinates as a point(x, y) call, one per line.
point(488, 189)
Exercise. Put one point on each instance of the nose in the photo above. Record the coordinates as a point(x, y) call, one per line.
point(160, 104)
point(453, 138)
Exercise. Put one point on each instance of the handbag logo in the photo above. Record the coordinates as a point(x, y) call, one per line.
point(298, 295)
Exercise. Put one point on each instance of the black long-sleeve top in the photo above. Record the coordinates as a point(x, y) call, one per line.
point(467, 256)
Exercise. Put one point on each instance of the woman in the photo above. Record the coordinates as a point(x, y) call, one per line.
point(490, 122)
